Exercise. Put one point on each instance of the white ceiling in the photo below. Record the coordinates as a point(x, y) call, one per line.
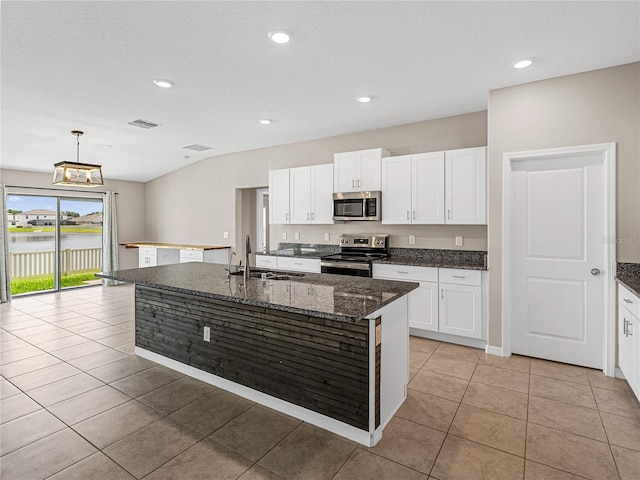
point(89, 66)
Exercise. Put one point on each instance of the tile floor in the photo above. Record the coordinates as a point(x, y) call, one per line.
point(77, 404)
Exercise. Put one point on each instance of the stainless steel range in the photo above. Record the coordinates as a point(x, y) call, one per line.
point(357, 252)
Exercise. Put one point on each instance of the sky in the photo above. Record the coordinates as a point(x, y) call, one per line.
point(32, 202)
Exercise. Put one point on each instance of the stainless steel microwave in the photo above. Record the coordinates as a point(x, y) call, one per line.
point(356, 206)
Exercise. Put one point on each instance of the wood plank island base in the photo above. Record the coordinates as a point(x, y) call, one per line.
point(328, 349)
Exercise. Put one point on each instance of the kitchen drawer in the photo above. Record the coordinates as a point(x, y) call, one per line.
point(147, 251)
point(405, 272)
point(458, 276)
point(311, 265)
point(266, 261)
point(194, 255)
point(147, 261)
point(629, 300)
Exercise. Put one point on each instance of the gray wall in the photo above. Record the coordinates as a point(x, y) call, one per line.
point(130, 203)
point(593, 107)
point(197, 204)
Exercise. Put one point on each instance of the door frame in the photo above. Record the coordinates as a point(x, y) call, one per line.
point(608, 152)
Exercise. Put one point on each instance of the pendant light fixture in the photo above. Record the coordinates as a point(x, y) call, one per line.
point(77, 174)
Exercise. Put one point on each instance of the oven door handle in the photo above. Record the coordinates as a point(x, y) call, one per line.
point(352, 266)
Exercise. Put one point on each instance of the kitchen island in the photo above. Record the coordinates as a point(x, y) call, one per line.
point(328, 349)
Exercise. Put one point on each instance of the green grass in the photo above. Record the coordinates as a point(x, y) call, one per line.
point(37, 284)
point(63, 229)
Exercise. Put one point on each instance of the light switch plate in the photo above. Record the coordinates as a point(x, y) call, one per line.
point(225, 235)
point(326, 237)
point(412, 239)
point(459, 241)
point(296, 235)
point(207, 334)
point(284, 236)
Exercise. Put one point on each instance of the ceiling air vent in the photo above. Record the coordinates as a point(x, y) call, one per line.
point(143, 124)
point(196, 147)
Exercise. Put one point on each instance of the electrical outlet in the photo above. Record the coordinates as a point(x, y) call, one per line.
point(225, 235)
point(326, 237)
point(296, 235)
point(412, 239)
point(207, 334)
point(284, 236)
point(459, 241)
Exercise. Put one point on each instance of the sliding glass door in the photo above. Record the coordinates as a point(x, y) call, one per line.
point(80, 241)
point(54, 242)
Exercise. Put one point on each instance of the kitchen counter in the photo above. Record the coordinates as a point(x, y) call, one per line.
point(334, 297)
point(327, 349)
point(178, 246)
point(417, 257)
point(628, 274)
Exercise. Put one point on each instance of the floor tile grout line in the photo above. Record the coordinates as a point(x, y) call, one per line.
point(615, 462)
point(453, 419)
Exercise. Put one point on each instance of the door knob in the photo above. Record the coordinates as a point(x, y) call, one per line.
point(595, 271)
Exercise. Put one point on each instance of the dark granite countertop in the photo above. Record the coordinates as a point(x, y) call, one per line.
point(632, 283)
point(418, 257)
point(628, 274)
point(336, 297)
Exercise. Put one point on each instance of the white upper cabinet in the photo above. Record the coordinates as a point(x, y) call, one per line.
point(322, 194)
point(435, 188)
point(396, 190)
point(427, 188)
point(466, 191)
point(299, 199)
point(358, 171)
point(301, 195)
point(279, 196)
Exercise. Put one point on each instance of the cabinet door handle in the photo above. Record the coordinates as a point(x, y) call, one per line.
point(308, 216)
point(358, 183)
point(414, 214)
point(407, 214)
point(458, 276)
point(399, 271)
point(286, 216)
point(448, 214)
point(313, 216)
point(353, 183)
point(442, 293)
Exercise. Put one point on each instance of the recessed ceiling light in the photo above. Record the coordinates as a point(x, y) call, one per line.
point(266, 121)
point(108, 146)
point(163, 83)
point(365, 98)
point(280, 36)
point(524, 63)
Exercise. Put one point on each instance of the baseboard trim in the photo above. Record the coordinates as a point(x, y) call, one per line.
point(497, 351)
point(445, 337)
point(360, 436)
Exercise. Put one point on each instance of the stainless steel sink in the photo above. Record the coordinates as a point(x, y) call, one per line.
point(268, 275)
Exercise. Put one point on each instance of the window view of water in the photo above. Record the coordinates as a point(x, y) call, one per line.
point(31, 242)
point(35, 263)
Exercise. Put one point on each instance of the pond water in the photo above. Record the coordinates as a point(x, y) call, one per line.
point(45, 241)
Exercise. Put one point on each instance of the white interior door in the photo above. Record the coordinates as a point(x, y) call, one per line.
point(557, 226)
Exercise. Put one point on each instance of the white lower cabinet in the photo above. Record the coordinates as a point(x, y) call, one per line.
point(151, 257)
point(450, 301)
point(629, 337)
point(461, 310)
point(219, 255)
point(423, 302)
point(292, 264)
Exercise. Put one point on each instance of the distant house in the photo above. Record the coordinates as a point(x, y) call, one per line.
point(93, 219)
point(33, 218)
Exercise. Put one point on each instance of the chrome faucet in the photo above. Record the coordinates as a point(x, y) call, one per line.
point(231, 254)
point(247, 251)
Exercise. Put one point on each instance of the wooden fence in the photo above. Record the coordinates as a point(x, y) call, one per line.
point(73, 260)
